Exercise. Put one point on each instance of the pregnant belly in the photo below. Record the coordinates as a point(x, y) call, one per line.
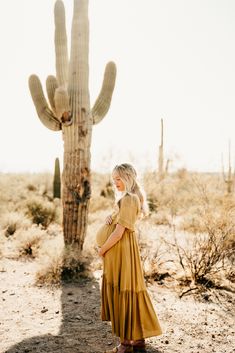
point(103, 233)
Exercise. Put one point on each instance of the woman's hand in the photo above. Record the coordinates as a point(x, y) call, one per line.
point(109, 220)
point(100, 252)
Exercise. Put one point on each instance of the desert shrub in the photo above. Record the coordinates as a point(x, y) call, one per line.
point(209, 252)
point(230, 274)
point(58, 262)
point(50, 272)
point(108, 191)
point(100, 203)
point(31, 187)
point(192, 223)
point(152, 253)
point(172, 194)
point(152, 203)
point(41, 211)
point(74, 264)
point(12, 221)
point(29, 242)
point(161, 218)
point(50, 257)
point(212, 227)
point(179, 192)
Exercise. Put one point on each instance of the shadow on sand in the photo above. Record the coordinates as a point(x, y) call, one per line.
point(82, 330)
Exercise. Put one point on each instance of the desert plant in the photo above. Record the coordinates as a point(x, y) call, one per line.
point(29, 241)
point(162, 171)
point(51, 270)
point(56, 180)
point(160, 155)
point(12, 221)
point(70, 112)
point(108, 191)
point(31, 187)
point(152, 254)
point(41, 211)
point(229, 179)
point(207, 253)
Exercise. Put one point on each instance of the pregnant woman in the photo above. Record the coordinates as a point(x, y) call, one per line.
point(125, 301)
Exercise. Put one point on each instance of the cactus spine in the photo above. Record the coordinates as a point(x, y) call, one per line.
point(56, 180)
point(70, 111)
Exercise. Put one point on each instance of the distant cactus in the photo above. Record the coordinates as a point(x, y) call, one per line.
point(56, 180)
point(229, 179)
point(70, 111)
point(162, 171)
point(160, 155)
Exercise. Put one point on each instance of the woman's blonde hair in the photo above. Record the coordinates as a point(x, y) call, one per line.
point(128, 175)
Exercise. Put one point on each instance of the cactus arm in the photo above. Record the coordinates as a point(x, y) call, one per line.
point(51, 86)
point(78, 66)
point(103, 101)
point(44, 112)
point(61, 49)
point(62, 105)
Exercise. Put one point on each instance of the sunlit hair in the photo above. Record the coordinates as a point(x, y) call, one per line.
point(128, 175)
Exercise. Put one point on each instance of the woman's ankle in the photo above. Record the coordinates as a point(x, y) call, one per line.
point(139, 343)
point(126, 342)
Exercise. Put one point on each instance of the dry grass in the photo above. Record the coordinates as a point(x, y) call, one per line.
point(29, 241)
point(41, 211)
point(51, 260)
point(13, 221)
point(189, 211)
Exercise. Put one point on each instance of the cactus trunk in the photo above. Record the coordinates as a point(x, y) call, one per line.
point(70, 111)
point(76, 174)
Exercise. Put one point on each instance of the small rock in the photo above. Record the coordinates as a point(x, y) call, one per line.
point(213, 336)
point(166, 341)
point(57, 312)
point(44, 310)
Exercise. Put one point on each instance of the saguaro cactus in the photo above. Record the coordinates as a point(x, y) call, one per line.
point(70, 111)
point(56, 180)
point(229, 180)
point(160, 155)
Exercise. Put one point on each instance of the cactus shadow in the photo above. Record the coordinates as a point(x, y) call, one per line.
point(151, 349)
point(81, 328)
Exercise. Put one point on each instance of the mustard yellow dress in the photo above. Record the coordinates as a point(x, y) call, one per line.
point(124, 298)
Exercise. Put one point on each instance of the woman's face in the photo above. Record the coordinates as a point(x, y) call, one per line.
point(118, 182)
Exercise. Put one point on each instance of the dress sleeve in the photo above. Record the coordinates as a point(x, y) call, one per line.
point(128, 213)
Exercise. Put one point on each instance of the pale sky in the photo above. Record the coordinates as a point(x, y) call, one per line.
point(175, 60)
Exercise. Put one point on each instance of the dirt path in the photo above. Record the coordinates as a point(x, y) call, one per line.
point(67, 319)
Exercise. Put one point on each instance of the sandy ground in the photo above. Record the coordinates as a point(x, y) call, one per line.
point(67, 318)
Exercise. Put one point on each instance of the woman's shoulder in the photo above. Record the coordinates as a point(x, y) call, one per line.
point(130, 198)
